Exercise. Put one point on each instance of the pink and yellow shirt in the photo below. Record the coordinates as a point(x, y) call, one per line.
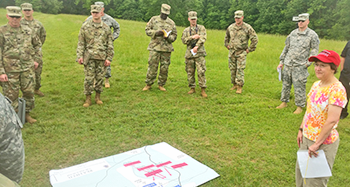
point(319, 98)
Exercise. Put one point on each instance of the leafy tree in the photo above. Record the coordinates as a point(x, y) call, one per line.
point(5, 3)
point(45, 6)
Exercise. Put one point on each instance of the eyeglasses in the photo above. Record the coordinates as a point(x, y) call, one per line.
point(27, 10)
point(15, 17)
point(301, 21)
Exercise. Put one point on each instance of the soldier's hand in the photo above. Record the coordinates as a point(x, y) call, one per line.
point(3, 78)
point(228, 47)
point(36, 65)
point(279, 66)
point(196, 36)
point(195, 49)
point(107, 63)
point(159, 33)
point(80, 60)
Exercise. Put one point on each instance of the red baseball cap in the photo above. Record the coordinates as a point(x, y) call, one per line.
point(327, 56)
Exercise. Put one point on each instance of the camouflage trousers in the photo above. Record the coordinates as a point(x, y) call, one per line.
point(191, 65)
point(236, 64)
point(156, 58)
point(38, 75)
point(11, 147)
point(94, 70)
point(24, 81)
point(108, 71)
point(298, 77)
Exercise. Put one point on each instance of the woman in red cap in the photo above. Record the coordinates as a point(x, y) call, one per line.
point(325, 101)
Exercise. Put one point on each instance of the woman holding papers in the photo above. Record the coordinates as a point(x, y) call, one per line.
point(325, 101)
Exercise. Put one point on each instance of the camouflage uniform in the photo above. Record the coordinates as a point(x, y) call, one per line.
point(198, 60)
point(160, 49)
point(237, 38)
point(112, 23)
point(11, 143)
point(95, 45)
point(299, 47)
point(38, 28)
point(19, 48)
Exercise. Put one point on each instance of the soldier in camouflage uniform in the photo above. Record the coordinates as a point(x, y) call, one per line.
point(19, 53)
point(38, 28)
point(11, 144)
point(95, 50)
point(301, 43)
point(112, 23)
point(194, 37)
point(236, 41)
point(162, 31)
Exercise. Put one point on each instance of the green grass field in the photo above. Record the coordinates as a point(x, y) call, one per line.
point(242, 137)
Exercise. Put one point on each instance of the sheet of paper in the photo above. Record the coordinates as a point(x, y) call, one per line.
point(193, 53)
point(314, 167)
point(150, 166)
point(279, 70)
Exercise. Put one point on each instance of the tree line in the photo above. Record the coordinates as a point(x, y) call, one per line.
point(329, 18)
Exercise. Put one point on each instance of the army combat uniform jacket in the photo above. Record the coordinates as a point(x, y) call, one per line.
point(159, 43)
point(11, 142)
point(191, 43)
point(237, 38)
point(37, 28)
point(299, 47)
point(19, 48)
point(95, 42)
point(112, 23)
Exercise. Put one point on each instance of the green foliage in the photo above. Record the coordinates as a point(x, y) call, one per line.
point(242, 137)
point(329, 18)
point(45, 6)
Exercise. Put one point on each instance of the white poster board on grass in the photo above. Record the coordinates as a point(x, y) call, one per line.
point(159, 165)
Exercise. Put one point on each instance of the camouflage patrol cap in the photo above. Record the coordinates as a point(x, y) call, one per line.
point(13, 11)
point(303, 17)
point(100, 3)
point(165, 9)
point(96, 8)
point(192, 15)
point(27, 6)
point(239, 14)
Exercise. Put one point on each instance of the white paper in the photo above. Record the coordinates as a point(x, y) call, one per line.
point(193, 53)
point(158, 165)
point(314, 167)
point(279, 70)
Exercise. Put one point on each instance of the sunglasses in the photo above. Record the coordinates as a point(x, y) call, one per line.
point(15, 17)
point(301, 21)
point(26, 10)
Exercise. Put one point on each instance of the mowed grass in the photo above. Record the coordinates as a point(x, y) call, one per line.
point(242, 137)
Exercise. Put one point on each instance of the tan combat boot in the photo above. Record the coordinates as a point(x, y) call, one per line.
point(282, 105)
point(161, 88)
point(29, 119)
point(191, 91)
point(147, 87)
point(98, 99)
point(234, 87)
point(298, 110)
point(39, 93)
point(203, 93)
point(87, 101)
point(239, 89)
point(107, 83)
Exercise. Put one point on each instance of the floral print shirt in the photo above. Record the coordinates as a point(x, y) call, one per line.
point(319, 98)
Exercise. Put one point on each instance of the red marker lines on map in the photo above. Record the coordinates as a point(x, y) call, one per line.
point(132, 163)
point(179, 165)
